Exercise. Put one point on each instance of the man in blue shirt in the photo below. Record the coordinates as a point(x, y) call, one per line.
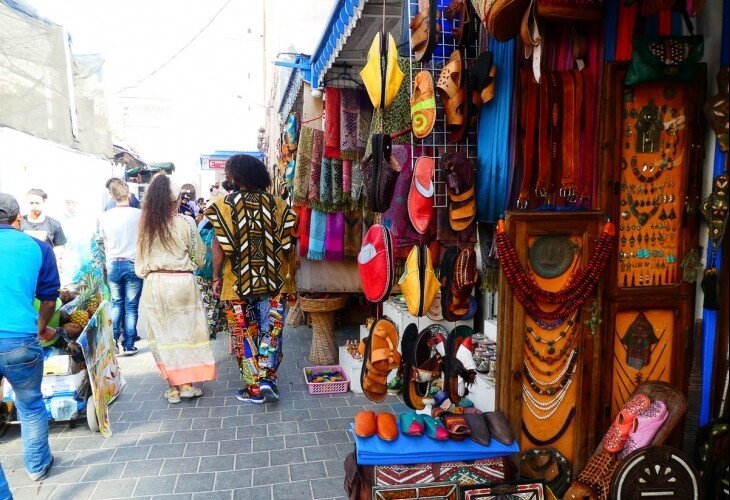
point(33, 274)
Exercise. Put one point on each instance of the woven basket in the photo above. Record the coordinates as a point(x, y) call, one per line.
point(324, 350)
point(295, 317)
point(311, 304)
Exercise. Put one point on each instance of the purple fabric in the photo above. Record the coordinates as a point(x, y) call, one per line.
point(349, 113)
point(334, 243)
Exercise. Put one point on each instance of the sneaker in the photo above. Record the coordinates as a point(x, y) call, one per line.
point(269, 391)
point(246, 395)
point(37, 476)
point(129, 351)
point(395, 385)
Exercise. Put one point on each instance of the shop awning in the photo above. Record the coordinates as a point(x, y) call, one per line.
point(349, 33)
point(152, 168)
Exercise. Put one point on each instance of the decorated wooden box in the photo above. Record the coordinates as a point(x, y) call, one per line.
point(484, 472)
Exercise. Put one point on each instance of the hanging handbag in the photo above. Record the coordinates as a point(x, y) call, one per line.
point(660, 58)
point(571, 11)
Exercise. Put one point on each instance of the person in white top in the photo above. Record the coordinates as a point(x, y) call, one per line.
point(117, 233)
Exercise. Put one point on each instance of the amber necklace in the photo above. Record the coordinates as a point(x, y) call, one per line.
point(549, 359)
point(571, 297)
point(551, 343)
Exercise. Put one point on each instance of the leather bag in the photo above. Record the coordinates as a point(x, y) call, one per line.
point(380, 172)
point(664, 58)
point(418, 283)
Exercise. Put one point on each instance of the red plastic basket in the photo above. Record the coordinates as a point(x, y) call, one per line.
point(326, 387)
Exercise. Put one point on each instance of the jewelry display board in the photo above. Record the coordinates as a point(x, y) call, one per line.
point(547, 353)
point(651, 137)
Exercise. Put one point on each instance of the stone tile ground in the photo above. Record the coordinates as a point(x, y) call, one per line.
point(213, 448)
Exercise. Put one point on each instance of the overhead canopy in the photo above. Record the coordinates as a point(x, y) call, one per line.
point(151, 168)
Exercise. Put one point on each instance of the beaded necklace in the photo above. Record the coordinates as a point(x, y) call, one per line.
point(550, 390)
point(551, 343)
point(549, 373)
point(533, 404)
point(561, 371)
point(558, 435)
point(571, 297)
point(552, 359)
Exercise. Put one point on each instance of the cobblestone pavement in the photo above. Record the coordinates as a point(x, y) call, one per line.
point(213, 447)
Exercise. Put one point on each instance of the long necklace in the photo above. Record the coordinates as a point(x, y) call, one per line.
point(561, 371)
point(570, 298)
point(549, 373)
point(551, 359)
point(642, 217)
point(533, 404)
point(558, 435)
point(551, 343)
point(551, 390)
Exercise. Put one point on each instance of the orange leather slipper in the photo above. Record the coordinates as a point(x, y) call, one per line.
point(423, 105)
point(365, 424)
point(387, 428)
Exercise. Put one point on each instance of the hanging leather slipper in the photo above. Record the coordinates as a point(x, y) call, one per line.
point(424, 30)
point(423, 105)
point(372, 73)
point(462, 285)
point(394, 76)
point(451, 86)
point(446, 276)
point(420, 194)
point(464, 22)
point(425, 366)
point(504, 17)
point(460, 183)
point(499, 427)
point(410, 334)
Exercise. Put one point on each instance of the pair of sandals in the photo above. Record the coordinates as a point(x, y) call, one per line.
point(458, 276)
point(380, 356)
point(422, 362)
point(187, 391)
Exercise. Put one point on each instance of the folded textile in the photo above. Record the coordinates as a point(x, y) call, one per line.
point(332, 122)
point(334, 242)
point(305, 214)
point(349, 112)
point(300, 190)
point(316, 165)
point(422, 449)
point(317, 234)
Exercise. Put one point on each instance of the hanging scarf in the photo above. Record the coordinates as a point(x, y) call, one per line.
point(346, 180)
point(303, 165)
point(494, 169)
point(349, 111)
point(353, 234)
point(336, 172)
point(355, 182)
point(332, 122)
point(316, 165)
point(364, 118)
point(325, 185)
point(317, 234)
point(305, 215)
point(334, 243)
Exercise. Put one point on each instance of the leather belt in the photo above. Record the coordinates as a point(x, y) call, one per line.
point(572, 105)
point(589, 140)
point(556, 110)
point(543, 141)
point(530, 98)
point(170, 271)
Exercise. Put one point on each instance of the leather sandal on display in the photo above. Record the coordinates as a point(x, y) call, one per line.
point(451, 86)
point(423, 105)
point(424, 30)
point(380, 356)
point(460, 181)
point(464, 22)
point(484, 74)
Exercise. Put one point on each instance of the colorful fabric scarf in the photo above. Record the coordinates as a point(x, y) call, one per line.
point(325, 183)
point(316, 165)
point(332, 122)
point(336, 172)
point(334, 243)
point(356, 182)
point(303, 164)
point(363, 122)
point(346, 179)
point(317, 234)
point(349, 113)
point(353, 234)
point(305, 215)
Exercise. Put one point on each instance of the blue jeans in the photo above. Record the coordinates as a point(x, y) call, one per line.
point(125, 288)
point(21, 363)
point(4, 488)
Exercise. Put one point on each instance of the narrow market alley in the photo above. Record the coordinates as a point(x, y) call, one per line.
point(214, 447)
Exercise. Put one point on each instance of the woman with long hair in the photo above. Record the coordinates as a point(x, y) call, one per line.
point(169, 250)
point(253, 234)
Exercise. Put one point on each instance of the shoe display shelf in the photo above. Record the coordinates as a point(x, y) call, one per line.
point(352, 367)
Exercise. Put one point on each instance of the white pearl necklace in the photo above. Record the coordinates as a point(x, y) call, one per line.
point(551, 407)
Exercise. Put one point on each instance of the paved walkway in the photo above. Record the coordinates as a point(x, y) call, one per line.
point(214, 447)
